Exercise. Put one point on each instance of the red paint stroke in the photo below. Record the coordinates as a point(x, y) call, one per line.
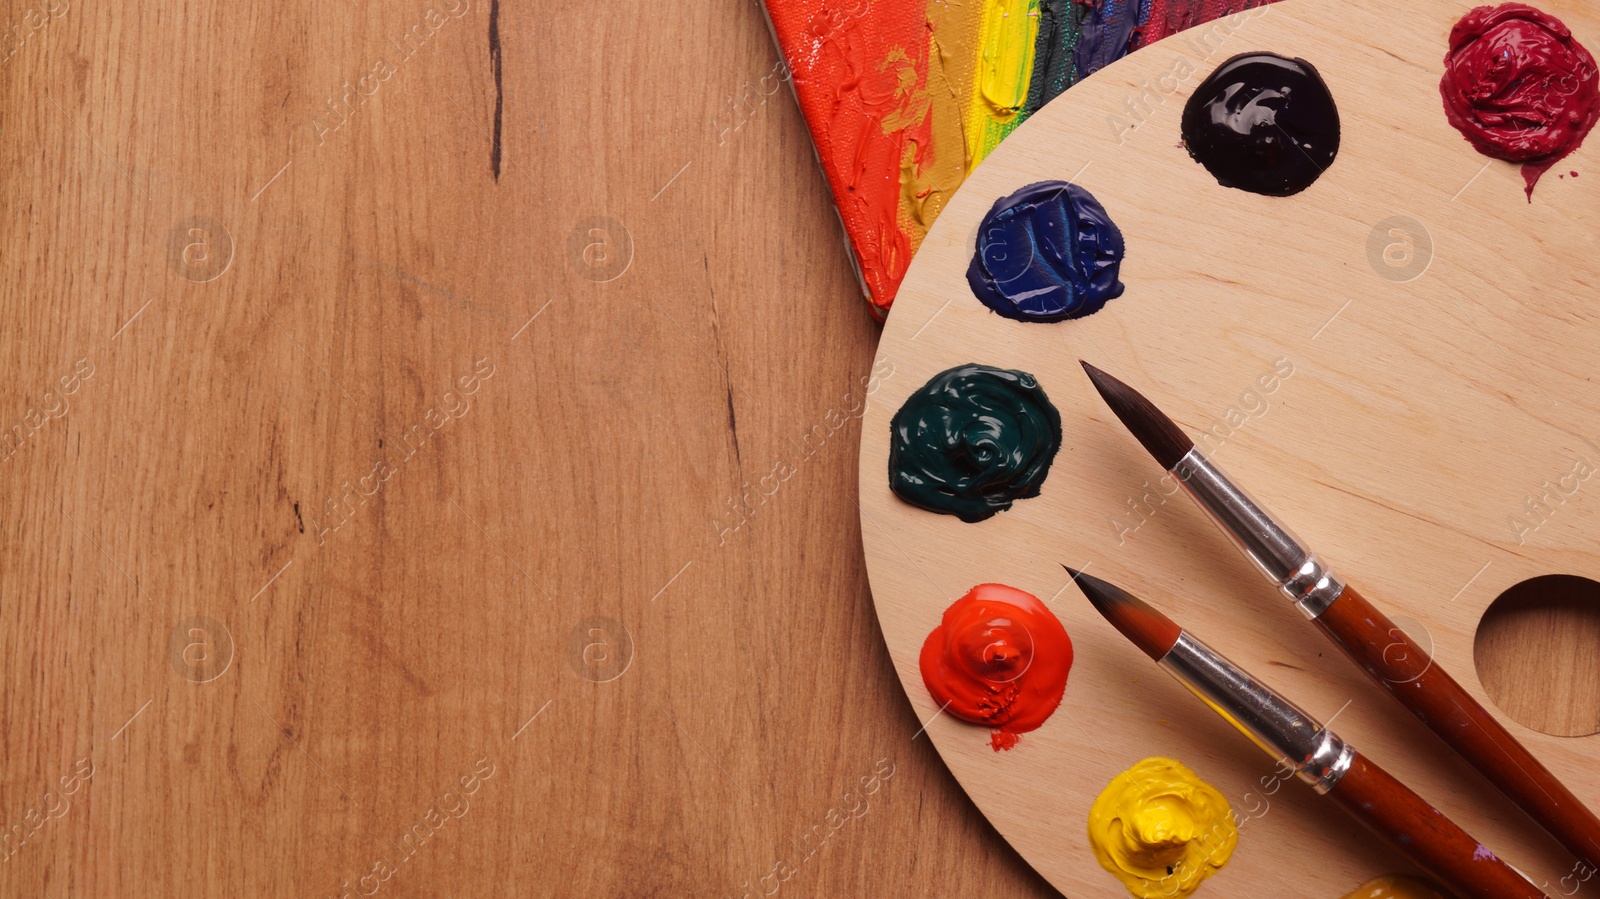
point(1519, 87)
point(999, 658)
point(1167, 17)
point(860, 73)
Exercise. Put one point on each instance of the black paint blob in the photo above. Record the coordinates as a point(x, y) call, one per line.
point(1263, 123)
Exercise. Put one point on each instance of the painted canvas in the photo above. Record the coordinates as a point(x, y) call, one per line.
point(904, 98)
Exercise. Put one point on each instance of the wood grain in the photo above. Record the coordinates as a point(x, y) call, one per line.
point(1396, 361)
point(1533, 654)
point(370, 672)
point(588, 477)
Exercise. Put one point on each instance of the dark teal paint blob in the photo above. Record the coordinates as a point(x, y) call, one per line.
point(1046, 253)
point(972, 441)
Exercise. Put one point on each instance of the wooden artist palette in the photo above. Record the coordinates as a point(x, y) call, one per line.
point(1444, 337)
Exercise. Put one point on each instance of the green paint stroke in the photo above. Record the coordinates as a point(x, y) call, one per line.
point(1052, 55)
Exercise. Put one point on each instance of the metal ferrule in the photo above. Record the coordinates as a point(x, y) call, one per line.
point(1298, 741)
point(1297, 571)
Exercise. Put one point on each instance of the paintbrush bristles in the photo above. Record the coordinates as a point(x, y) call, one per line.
point(1160, 436)
point(1151, 631)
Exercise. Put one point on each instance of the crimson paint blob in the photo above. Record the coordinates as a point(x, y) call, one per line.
point(998, 658)
point(1519, 87)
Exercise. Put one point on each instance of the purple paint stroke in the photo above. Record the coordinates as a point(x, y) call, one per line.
point(1106, 32)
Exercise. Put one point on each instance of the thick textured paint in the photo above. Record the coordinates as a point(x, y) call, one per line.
point(1046, 253)
point(972, 441)
point(950, 68)
point(998, 658)
point(1520, 87)
point(1053, 70)
point(1005, 64)
point(1161, 830)
point(859, 72)
point(1263, 123)
point(1106, 30)
point(904, 98)
point(1168, 17)
point(1395, 886)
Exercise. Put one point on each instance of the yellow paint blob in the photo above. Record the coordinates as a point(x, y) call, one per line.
point(1395, 886)
point(1161, 830)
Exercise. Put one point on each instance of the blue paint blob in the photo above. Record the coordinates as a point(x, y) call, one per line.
point(1046, 253)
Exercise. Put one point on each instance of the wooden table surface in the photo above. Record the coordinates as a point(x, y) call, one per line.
point(429, 467)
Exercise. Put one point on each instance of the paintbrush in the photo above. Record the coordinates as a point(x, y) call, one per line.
point(1318, 756)
point(1366, 635)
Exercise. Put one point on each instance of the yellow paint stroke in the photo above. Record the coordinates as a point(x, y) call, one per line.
point(1004, 68)
point(980, 62)
point(908, 111)
point(910, 104)
point(941, 166)
point(1161, 830)
point(936, 163)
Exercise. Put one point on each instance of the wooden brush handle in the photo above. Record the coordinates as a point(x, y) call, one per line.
point(1386, 653)
point(1388, 807)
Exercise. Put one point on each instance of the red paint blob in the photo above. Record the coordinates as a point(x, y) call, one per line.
point(1519, 87)
point(999, 658)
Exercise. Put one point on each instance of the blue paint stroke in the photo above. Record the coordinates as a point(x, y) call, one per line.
point(1105, 33)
